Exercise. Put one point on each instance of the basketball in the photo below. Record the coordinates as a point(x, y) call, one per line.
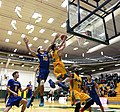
point(63, 37)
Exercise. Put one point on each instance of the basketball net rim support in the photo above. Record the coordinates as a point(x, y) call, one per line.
point(99, 8)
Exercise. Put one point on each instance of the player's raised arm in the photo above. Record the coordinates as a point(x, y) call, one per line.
point(28, 48)
point(55, 38)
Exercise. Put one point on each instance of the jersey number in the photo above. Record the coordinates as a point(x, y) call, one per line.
point(16, 88)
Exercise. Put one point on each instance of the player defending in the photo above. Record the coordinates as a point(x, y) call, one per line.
point(44, 59)
point(92, 89)
point(59, 67)
point(13, 86)
point(76, 93)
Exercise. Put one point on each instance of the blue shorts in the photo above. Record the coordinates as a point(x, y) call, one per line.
point(59, 77)
point(29, 95)
point(12, 100)
point(43, 74)
point(96, 99)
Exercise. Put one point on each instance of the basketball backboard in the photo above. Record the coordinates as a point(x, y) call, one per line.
point(86, 19)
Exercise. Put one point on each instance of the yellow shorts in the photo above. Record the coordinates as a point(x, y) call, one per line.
point(77, 96)
point(59, 69)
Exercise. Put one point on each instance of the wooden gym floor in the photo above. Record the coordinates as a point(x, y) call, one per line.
point(57, 107)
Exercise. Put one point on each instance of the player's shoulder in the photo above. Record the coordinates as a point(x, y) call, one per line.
point(10, 80)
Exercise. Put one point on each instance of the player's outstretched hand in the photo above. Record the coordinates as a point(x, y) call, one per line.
point(25, 40)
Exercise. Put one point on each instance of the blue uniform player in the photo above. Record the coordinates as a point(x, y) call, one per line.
point(29, 92)
point(44, 59)
point(12, 87)
point(92, 88)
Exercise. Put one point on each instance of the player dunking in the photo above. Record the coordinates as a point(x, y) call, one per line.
point(59, 67)
point(44, 59)
point(92, 89)
point(13, 86)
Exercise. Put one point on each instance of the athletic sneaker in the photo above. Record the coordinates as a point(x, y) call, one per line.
point(60, 84)
point(52, 84)
point(41, 103)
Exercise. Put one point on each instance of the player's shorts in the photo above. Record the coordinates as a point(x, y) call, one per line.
point(96, 99)
point(43, 74)
point(12, 100)
point(77, 96)
point(59, 69)
point(29, 94)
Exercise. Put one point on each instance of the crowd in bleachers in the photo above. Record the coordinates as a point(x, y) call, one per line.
point(109, 83)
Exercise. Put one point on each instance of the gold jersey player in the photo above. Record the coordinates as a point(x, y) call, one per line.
point(77, 95)
point(59, 67)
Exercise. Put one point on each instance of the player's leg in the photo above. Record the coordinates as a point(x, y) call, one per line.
point(96, 99)
point(44, 75)
point(34, 95)
point(89, 102)
point(24, 103)
point(7, 109)
point(75, 100)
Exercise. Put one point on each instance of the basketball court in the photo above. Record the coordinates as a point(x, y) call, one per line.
point(91, 25)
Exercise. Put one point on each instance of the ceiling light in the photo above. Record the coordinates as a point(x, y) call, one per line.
point(23, 35)
point(6, 40)
point(37, 16)
point(12, 64)
point(20, 56)
point(101, 68)
point(40, 47)
point(35, 38)
point(42, 31)
point(29, 53)
point(0, 3)
point(85, 43)
point(11, 54)
point(1, 63)
point(9, 32)
point(93, 70)
point(15, 50)
point(30, 28)
point(29, 45)
point(32, 67)
point(64, 4)
point(102, 53)
point(102, 34)
point(46, 41)
point(22, 65)
point(83, 55)
point(76, 48)
point(19, 42)
point(13, 23)
point(54, 34)
point(80, 68)
point(117, 65)
point(18, 10)
point(82, 73)
point(50, 20)
point(66, 55)
point(63, 25)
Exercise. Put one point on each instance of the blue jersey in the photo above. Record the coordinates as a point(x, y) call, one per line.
point(44, 60)
point(29, 93)
point(14, 85)
point(91, 88)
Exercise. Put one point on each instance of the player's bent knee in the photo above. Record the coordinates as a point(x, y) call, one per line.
point(42, 83)
point(23, 101)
